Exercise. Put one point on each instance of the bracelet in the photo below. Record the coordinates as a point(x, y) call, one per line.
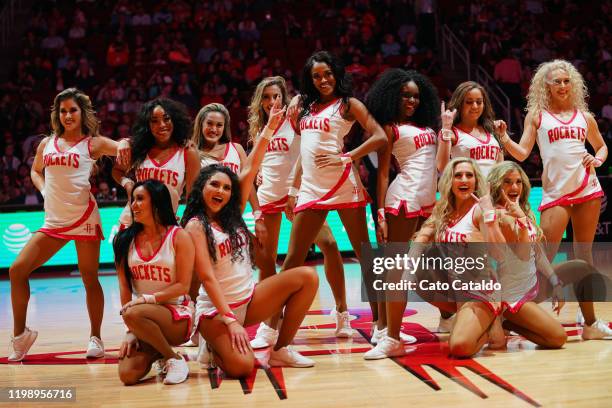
point(293, 192)
point(258, 215)
point(503, 139)
point(489, 216)
point(381, 215)
point(149, 299)
point(228, 318)
point(267, 133)
point(555, 281)
point(346, 158)
point(125, 180)
point(446, 135)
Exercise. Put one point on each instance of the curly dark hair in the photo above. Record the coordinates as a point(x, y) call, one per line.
point(384, 100)
point(310, 94)
point(229, 218)
point(163, 213)
point(142, 139)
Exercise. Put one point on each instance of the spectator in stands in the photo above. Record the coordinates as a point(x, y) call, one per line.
point(206, 52)
point(9, 160)
point(247, 29)
point(140, 17)
point(390, 47)
point(118, 53)
point(31, 196)
point(84, 78)
point(53, 41)
point(132, 105)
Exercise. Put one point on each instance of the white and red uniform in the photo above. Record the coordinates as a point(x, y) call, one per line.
point(486, 153)
point(276, 169)
point(459, 233)
point(414, 188)
point(231, 159)
point(518, 278)
point(170, 172)
point(157, 272)
point(235, 278)
point(71, 212)
point(565, 181)
point(331, 187)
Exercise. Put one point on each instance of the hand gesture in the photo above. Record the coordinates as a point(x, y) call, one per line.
point(589, 160)
point(513, 208)
point(124, 153)
point(324, 160)
point(239, 337)
point(131, 303)
point(447, 117)
point(277, 114)
point(382, 231)
point(295, 106)
point(500, 127)
point(558, 299)
point(128, 345)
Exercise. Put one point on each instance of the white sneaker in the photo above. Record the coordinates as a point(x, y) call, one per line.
point(21, 344)
point(205, 356)
point(386, 347)
point(407, 339)
point(265, 337)
point(95, 348)
point(377, 335)
point(343, 324)
point(579, 317)
point(287, 357)
point(177, 371)
point(600, 330)
point(446, 325)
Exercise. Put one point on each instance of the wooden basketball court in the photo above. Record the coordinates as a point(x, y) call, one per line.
point(521, 376)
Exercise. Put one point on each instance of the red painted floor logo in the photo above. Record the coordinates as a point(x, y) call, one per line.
point(427, 352)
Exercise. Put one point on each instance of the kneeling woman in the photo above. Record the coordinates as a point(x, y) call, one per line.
point(154, 259)
point(229, 298)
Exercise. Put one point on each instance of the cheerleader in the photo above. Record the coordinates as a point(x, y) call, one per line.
point(472, 131)
point(160, 151)
point(154, 260)
point(517, 272)
point(559, 121)
point(464, 213)
point(329, 180)
point(62, 166)
point(229, 299)
point(407, 202)
point(275, 190)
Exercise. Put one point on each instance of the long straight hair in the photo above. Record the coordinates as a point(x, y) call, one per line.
point(163, 214)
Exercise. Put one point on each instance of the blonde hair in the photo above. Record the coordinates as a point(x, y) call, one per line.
point(444, 207)
point(257, 114)
point(496, 181)
point(89, 121)
point(197, 138)
point(538, 98)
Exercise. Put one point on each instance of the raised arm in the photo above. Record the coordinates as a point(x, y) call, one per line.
point(447, 137)
point(520, 151)
point(254, 159)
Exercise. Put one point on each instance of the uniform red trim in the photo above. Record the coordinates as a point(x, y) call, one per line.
point(529, 296)
point(562, 122)
point(454, 129)
point(76, 144)
point(564, 200)
point(540, 121)
point(486, 142)
point(274, 206)
point(342, 206)
point(330, 193)
point(158, 164)
point(322, 108)
point(176, 316)
point(147, 259)
point(395, 133)
point(90, 207)
point(422, 212)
